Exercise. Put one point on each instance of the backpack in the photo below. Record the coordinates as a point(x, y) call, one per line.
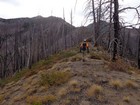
point(84, 46)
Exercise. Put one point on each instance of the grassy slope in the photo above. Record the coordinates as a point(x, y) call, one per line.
point(63, 79)
point(43, 64)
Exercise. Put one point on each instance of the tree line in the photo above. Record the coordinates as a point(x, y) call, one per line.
point(24, 42)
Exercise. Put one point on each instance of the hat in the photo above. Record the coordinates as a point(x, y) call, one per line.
point(84, 40)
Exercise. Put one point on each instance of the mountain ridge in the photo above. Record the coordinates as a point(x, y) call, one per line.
point(70, 81)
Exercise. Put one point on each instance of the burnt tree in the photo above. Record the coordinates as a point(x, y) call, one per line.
point(116, 28)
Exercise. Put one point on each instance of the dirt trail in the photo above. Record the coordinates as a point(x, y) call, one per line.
point(79, 90)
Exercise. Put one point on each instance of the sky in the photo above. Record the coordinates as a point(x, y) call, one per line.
point(46, 8)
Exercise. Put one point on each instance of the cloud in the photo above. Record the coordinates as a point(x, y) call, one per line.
point(12, 2)
point(31, 8)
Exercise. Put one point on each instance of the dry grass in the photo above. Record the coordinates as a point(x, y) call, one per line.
point(73, 83)
point(116, 84)
point(131, 84)
point(94, 91)
point(68, 69)
point(99, 55)
point(127, 84)
point(26, 86)
point(126, 99)
point(119, 65)
point(74, 86)
point(40, 99)
point(76, 58)
point(65, 60)
point(66, 102)
point(31, 90)
point(62, 92)
point(105, 56)
point(75, 90)
point(1, 98)
point(95, 56)
point(42, 89)
point(54, 78)
point(20, 97)
point(42, 64)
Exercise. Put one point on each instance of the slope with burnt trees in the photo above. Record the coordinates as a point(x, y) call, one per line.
point(24, 41)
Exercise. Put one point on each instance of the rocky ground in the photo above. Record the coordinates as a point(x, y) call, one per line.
point(70, 81)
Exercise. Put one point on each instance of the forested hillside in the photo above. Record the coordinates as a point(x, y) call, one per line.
point(24, 41)
point(129, 38)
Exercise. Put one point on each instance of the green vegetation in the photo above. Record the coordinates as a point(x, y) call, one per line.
point(40, 100)
point(3, 82)
point(55, 78)
point(53, 59)
point(1, 98)
point(15, 78)
point(42, 64)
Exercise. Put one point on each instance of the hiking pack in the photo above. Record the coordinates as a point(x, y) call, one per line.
point(84, 46)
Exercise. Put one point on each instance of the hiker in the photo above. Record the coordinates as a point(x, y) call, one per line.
point(84, 46)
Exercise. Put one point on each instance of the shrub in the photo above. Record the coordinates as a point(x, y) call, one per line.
point(94, 90)
point(76, 58)
point(73, 83)
point(47, 63)
point(2, 83)
point(95, 56)
point(131, 84)
point(1, 98)
point(118, 66)
point(39, 100)
point(121, 65)
point(116, 84)
point(55, 78)
point(126, 99)
point(62, 92)
point(15, 78)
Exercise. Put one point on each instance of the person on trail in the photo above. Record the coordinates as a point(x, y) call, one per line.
point(84, 46)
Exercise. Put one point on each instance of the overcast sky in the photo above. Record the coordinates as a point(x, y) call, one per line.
point(45, 8)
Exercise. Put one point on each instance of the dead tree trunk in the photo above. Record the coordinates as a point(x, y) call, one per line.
point(110, 24)
point(65, 46)
point(71, 21)
point(94, 18)
point(138, 56)
point(116, 28)
point(138, 53)
point(98, 24)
